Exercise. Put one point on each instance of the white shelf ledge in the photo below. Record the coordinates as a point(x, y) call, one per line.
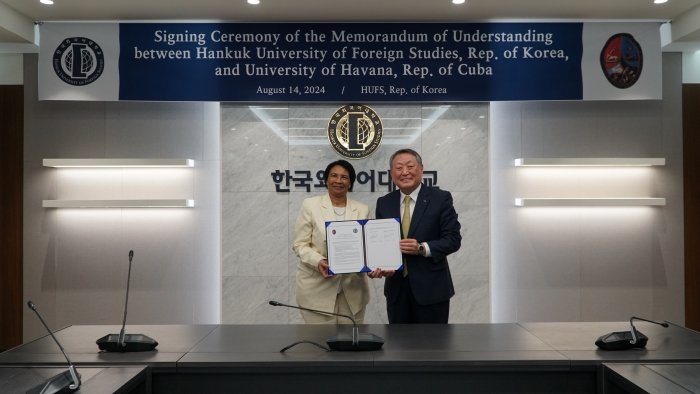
point(118, 203)
point(589, 202)
point(589, 162)
point(118, 163)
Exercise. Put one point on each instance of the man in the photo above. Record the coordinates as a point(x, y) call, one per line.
point(421, 292)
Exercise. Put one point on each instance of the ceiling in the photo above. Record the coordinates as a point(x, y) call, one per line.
point(353, 10)
point(17, 16)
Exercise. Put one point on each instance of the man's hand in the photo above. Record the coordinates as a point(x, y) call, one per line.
point(409, 246)
point(323, 268)
point(379, 273)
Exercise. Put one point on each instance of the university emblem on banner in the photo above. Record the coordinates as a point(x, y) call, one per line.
point(78, 61)
point(355, 131)
point(622, 60)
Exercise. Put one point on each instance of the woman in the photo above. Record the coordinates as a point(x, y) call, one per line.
point(346, 294)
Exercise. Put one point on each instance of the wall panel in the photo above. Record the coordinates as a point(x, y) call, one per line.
point(11, 184)
point(691, 189)
point(588, 263)
point(258, 221)
point(76, 260)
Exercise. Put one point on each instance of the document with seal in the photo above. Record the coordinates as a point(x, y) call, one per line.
point(346, 252)
point(363, 245)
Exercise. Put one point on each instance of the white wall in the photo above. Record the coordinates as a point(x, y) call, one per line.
point(75, 260)
point(691, 67)
point(588, 264)
point(11, 72)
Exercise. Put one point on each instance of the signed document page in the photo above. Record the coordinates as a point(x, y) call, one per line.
point(345, 246)
point(382, 238)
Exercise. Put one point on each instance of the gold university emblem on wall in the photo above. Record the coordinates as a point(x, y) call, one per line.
point(355, 131)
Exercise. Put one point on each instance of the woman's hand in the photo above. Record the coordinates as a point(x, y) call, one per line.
point(323, 268)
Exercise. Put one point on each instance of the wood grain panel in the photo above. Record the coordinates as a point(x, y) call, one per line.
point(11, 184)
point(691, 203)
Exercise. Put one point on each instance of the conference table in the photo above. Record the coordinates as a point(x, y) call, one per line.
point(454, 358)
point(95, 380)
point(652, 378)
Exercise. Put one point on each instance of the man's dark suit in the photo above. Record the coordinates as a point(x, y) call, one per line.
point(434, 221)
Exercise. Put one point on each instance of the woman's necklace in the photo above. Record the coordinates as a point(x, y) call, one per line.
point(339, 211)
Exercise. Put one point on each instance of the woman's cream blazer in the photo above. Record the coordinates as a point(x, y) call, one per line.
point(312, 290)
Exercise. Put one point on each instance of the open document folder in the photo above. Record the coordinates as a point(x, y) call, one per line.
point(363, 245)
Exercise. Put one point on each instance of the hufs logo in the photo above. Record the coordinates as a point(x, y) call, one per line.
point(355, 131)
point(78, 61)
point(622, 60)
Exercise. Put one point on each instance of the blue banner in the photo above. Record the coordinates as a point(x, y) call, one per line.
point(349, 62)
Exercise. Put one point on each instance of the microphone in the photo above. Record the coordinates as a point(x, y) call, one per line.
point(123, 342)
point(340, 341)
point(65, 382)
point(624, 340)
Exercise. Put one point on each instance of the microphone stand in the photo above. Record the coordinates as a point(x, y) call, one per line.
point(126, 342)
point(633, 330)
point(368, 342)
point(355, 331)
point(120, 341)
point(67, 381)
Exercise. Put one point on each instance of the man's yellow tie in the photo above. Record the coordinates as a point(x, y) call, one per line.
point(405, 225)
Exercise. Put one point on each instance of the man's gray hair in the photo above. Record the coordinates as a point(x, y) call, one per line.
point(402, 151)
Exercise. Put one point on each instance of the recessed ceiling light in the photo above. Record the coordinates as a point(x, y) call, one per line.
point(46, 1)
point(458, 1)
point(659, 1)
point(253, 1)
